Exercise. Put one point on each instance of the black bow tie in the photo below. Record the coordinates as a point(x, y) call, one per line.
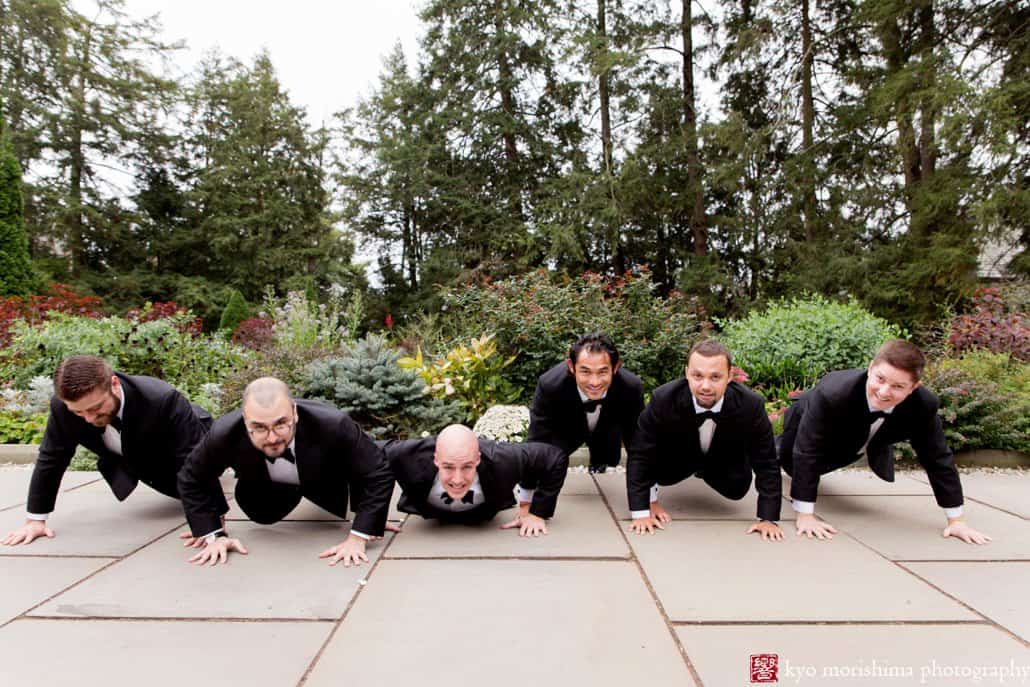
point(875, 415)
point(288, 456)
point(116, 422)
point(705, 415)
point(591, 406)
point(469, 496)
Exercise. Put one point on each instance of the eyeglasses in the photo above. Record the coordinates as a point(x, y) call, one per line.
point(280, 428)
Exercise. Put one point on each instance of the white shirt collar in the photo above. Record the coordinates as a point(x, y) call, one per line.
point(715, 408)
point(888, 411)
point(121, 406)
point(583, 397)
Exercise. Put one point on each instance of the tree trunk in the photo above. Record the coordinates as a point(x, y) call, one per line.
point(808, 202)
point(698, 230)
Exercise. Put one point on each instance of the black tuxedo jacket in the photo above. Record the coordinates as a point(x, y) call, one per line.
point(557, 417)
point(502, 466)
point(742, 443)
point(826, 427)
point(332, 453)
point(159, 430)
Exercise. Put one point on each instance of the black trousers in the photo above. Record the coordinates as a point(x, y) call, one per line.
point(266, 502)
point(732, 485)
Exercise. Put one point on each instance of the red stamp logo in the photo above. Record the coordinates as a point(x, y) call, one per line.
point(765, 667)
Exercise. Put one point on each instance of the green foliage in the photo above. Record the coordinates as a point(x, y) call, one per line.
point(84, 460)
point(985, 401)
point(236, 310)
point(384, 399)
point(793, 343)
point(158, 348)
point(18, 428)
point(471, 375)
point(16, 276)
point(537, 318)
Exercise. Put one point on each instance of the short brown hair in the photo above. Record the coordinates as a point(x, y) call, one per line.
point(903, 355)
point(710, 348)
point(79, 375)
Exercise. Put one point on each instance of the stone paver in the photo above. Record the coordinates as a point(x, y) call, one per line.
point(521, 623)
point(581, 527)
point(1007, 490)
point(306, 510)
point(281, 577)
point(909, 528)
point(711, 571)
point(89, 521)
point(579, 482)
point(30, 581)
point(858, 656)
point(997, 590)
point(690, 499)
point(14, 484)
point(61, 653)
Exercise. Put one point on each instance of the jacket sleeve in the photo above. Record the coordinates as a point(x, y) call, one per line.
point(635, 406)
point(371, 480)
point(545, 466)
point(765, 465)
point(811, 444)
point(199, 489)
point(642, 456)
point(55, 454)
point(936, 458)
point(541, 417)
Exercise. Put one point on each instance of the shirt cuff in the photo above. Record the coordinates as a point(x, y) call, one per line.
point(43, 516)
point(806, 507)
point(524, 495)
point(360, 534)
point(654, 493)
point(637, 514)
point(952, 513)
point(220, 529)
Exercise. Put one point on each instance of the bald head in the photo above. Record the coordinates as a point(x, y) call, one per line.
point(265, 392)
point(456, 459)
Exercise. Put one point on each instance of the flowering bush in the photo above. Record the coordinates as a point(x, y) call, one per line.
point(992, 326)
point(166, 310)
point(254, 333)
point(503, 423)
point(35, 310)
point(985, 401)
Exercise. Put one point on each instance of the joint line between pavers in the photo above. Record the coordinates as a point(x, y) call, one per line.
point(957, 600)
point(115, 560)
point(346, 611)
point(179, 619)
point(962, 560)
point(650, 589)
point(619, 559)
point(933, 623)
point(57, 555)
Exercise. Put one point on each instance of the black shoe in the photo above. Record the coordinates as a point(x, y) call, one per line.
point(597, 468)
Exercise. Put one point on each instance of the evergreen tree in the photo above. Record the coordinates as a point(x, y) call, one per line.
point(16, 276)
point(236, 310)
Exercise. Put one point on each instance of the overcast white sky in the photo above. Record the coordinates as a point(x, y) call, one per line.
point(327, 53)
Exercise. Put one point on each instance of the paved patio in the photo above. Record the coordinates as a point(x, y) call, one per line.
point(111, 601)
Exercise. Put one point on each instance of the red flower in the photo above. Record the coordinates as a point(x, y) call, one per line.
point(389, 321)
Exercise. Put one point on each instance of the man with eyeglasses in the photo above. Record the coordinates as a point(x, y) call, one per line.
point(141, 429)
point(283, 449)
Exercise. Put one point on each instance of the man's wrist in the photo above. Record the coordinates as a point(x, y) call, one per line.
point(360, 535)
point(217, 534)
point(638, 514)
point(803, 507)
point(37, 516)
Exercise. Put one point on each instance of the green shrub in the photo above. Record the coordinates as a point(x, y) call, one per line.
point(158, 348)
point(17, 428)
point(236, 310)
point(384, 399)
point(470, 375)
point(537, 317)
point(985, 401)
point(84, 460)
point(793, 343)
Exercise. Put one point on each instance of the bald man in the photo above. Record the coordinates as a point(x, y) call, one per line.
point(459, 477)
point(283, 449)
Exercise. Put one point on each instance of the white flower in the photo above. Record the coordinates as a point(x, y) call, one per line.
point(503, 423)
